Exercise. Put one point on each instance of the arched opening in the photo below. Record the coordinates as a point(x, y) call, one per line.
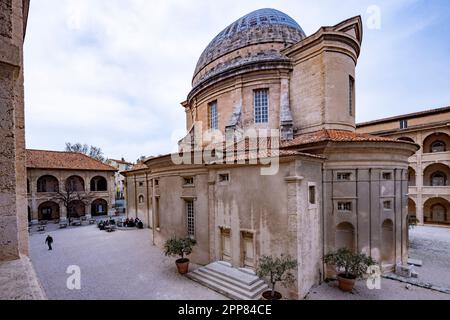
point(48, 211)
point(99, 207)
point(345, 235)
point(408, 139)
point(436, 175)
point(77, 209)
point(141, 199)
point(47, 184)
point(411, 177)
point(412, 215)
point(99, 184)
point(438, 179)
point(75, 183)
point(436, 142)
point(387, 241)
point(436, 211)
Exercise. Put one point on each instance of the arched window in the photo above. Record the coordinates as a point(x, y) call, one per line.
point(99, 184)
point(438, 146)
point(141, 199)
point(438, 179)
point(47, 184)
point(75, 183)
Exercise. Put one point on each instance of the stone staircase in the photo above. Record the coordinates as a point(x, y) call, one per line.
point(237, 284)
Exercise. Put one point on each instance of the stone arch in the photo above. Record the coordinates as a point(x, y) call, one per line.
point(99, 183)
point(77, 209)
point(436, 142)
point(437, 211)
point(411, 177)
point(345, 236)
point(387, 241)
point(47, 183)
point(75, 183)
point(436, 174)
point(99, 207)
point(48, 210)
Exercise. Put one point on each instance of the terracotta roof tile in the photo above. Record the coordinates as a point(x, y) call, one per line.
point(136, 167)
point(334, 136)
point(43, 159)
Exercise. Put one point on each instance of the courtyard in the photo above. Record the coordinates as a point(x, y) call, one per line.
point(120, 265)
point(125, 265)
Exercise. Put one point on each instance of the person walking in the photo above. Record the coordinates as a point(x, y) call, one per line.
point(49, 242)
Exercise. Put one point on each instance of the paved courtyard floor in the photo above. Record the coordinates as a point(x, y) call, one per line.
point(432, 246)
point(429, 244)
point(118, 265)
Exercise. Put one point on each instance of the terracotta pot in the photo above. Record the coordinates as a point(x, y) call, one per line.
point(267, 295)
point(346, 284)
point(182, 266)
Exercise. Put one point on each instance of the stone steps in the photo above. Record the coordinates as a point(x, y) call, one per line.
point(231, 282)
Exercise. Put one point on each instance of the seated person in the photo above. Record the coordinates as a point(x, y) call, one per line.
point(140, 225)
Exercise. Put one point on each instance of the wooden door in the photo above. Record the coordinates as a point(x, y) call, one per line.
point(226, 245)
point(248, 250)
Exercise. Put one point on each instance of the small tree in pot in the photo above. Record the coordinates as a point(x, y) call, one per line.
point(181, 247)
point(276, 269)
point(349, 266)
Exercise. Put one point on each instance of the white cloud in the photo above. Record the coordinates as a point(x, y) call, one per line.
point(112, 73)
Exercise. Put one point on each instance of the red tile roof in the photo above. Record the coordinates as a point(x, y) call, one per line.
point(136, 167)
point(43, 159)
point(334, 136)
point(405, 116)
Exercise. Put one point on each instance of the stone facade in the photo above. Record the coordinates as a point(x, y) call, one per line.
point(333, 187)
point(429, 168)
point(50, 171)
point(13, 221)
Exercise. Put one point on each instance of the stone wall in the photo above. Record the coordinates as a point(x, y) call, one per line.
point(13, 212)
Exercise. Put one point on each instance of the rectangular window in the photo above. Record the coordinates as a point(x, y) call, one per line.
point(344, 176)
point(261, 103)
point(190, 218)
point(224, 177)
point(387, 176)
point(351, 94)
point(141, 184)
point(212, 114)
point(156, 182)
point(188, 181)
point(344, 206)
point(312, 195)
point(403, 124)
point(387, 205)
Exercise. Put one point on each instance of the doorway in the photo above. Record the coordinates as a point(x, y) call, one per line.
point(226, 244)
point(248, 250)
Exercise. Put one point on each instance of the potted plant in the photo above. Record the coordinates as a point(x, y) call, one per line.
point(180, 247)
point(350, 266)
point(276, 269)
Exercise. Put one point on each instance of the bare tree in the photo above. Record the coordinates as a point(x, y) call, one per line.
point(66, 197)
point(91, 151)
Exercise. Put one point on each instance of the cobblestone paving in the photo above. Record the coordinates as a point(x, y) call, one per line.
point(118, 265)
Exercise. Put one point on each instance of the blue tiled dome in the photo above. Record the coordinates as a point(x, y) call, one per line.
point(260, 26)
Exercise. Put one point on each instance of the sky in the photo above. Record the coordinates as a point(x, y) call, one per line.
point(112, 73)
